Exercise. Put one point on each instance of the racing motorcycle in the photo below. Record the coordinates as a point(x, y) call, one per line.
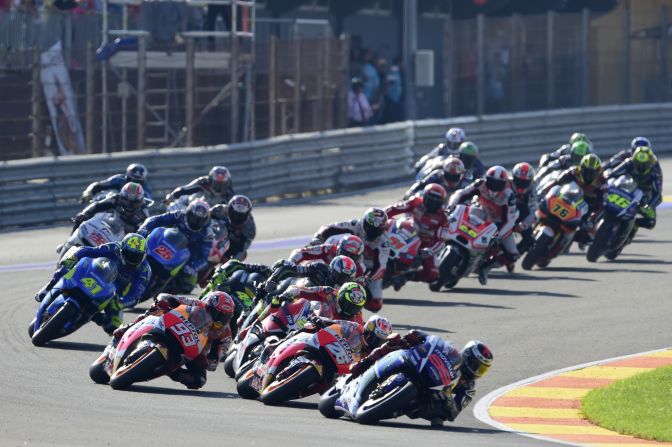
point(152, 347)
point(220, 245)
point(167, 253)
point(101, 229)
point(617, 220)
point(403, 384)
point(74, 300)
point(429, 165)
point(468, 239)
point(404, 246)
point(301, 365)
point(290, 316)
point(560, 213)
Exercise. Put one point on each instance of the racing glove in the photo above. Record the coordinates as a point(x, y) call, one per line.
point(357, 369)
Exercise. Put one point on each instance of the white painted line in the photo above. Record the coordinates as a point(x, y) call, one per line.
point(481, 407)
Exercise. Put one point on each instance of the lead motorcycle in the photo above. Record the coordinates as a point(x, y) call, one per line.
point(617, 220)
point(152, 347)
point(468, 239)
point(74, 300)
point(560, 214)
point(401, 383)
point(302, 365)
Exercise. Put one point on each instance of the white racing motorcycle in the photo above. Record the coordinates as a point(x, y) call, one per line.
point(100, 229)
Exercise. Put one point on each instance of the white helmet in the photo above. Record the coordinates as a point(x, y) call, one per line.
point(376, 331)
point(454, 137)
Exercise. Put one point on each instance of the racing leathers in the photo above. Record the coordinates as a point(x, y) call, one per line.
point(130, 283)
point(200, 245)
point(430, 226)
point(130, 220)
point(651, 185)
point(437, 176)
point(593, 193)
point(376, 254)
point(442, 150)
point(444, 404)
point(565, 149)
point(323, 301)
point(527, 204)
point(114, 183)
point(323, 253)
point(560, 164)
point(202, 185)
point(240, 237)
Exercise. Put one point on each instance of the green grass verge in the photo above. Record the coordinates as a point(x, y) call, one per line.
point(640, 406)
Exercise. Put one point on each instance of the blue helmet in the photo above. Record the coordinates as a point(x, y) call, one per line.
point(639, 142)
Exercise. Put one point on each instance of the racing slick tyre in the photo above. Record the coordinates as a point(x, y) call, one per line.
point(31, 328)
point(53, 327)
point(327, 403)
point(139, 369)
point(244, 387)
point(228, 364)
point(537, 253)
point(447, 268)
point(383, 407)
point(97, 371)
point(601, 240)
point(289, 387)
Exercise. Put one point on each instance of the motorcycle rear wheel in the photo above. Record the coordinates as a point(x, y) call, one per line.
point(537, 253)
point(327, 403)
point(449, 262)
point(372, 411)
point(289, 388)
point(599, 245)
point(228, 364)
point(138, 371)
point(52, 328)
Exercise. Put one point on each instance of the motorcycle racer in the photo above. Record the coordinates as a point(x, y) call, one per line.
point(577, 151)
point(497, 198)
point(473, 166)
point(565, 149)
point(451, 177)
point(429, 215)
point(623, 155)
point(129, 256)
point(371, 229)
point(193, 223)
point(135, 173)
point(472, 363)
point(527, 204)
point(341, 269)
point(238, 219)
point(129, 203)
point(454, 137)
point(343, 303)
point(216, 186)
point(350, 246)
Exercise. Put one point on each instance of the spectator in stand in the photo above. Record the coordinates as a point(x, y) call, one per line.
point(393, 110)
point(359, 109)
point(370, 77)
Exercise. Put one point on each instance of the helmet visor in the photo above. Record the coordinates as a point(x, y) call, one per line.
point(196, 222)
point(132, 258)
point(522, 184)
point(219, 317)
point(495, 184)
point(347, 308)
point(588, 174)
point(236, 217)
point(452, 178)
point(372, 232)
point(467, 160)
point(432, 204)
point(475, 367)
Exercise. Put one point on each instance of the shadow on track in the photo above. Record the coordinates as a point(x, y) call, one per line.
point(408, 327)
point(427, 303)
point(424, 425)
point(526, 277)
point(651, 241)
point(76, 346)
point(148, 389)
point(135, 310)
point(625, 260)
point(299, 405)
point(506, 292)
point(594, 270)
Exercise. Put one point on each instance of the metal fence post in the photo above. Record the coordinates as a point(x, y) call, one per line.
point(585, 42)
point(626, 54)
point(410, 48)
point(90, 97)
point(36, 98)
point(344, 84)
point(664, 69)
point(480, 50)
point(297, 85)
point(319, 112)
point(189, 91)
point(142, 89)
point(448, 67)
point(234, 75)
point(272, 67)
point(550, 58)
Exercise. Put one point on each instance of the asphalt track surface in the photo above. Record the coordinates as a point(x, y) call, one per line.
point(570, 313)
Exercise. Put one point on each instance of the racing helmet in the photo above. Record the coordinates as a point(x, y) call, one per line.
point(578, 136)
point(239, 209)
point(476, 359)
point(220, 178)
point(579, 150)
point(220, 306)
point(589, 169)
point(219, 212)
point(643, 160)
point(374, 223)
point(453, 171)
point(376, 331)
point(342, 269)
point(639, 142)
point(133, 249)
point(197, 215)
point(454, 137)
point(496, 179)
point(136, 172)
point(131, 197)
point(350, 246)
point(468, 154)
point(523, 175)
point(434, 198)
point(350, 299)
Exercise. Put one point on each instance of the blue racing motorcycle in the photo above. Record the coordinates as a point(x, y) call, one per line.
point(81, 293)
point(167, 253)
point(401, 383)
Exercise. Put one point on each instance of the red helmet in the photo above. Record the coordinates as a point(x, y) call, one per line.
point(434, 197)
point(351, 246)
point(453, 171)
point(496, 179)
point(342, 269)
point(220, 306)
point(523, 173)
point(220, 178)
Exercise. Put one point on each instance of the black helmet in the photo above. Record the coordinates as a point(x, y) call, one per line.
point(239, 209)
point(218, 212)
point(197, 215)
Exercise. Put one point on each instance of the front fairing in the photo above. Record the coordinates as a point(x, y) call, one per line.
point(169, 248)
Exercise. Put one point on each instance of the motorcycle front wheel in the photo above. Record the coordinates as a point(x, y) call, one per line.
point(53, 327)
point(327, 403)
point(291, 386)
point(599, 245)
point(538, 253)
point(140, 369)
point(384, 407)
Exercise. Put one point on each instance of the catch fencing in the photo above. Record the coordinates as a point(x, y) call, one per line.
point(46, 190)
